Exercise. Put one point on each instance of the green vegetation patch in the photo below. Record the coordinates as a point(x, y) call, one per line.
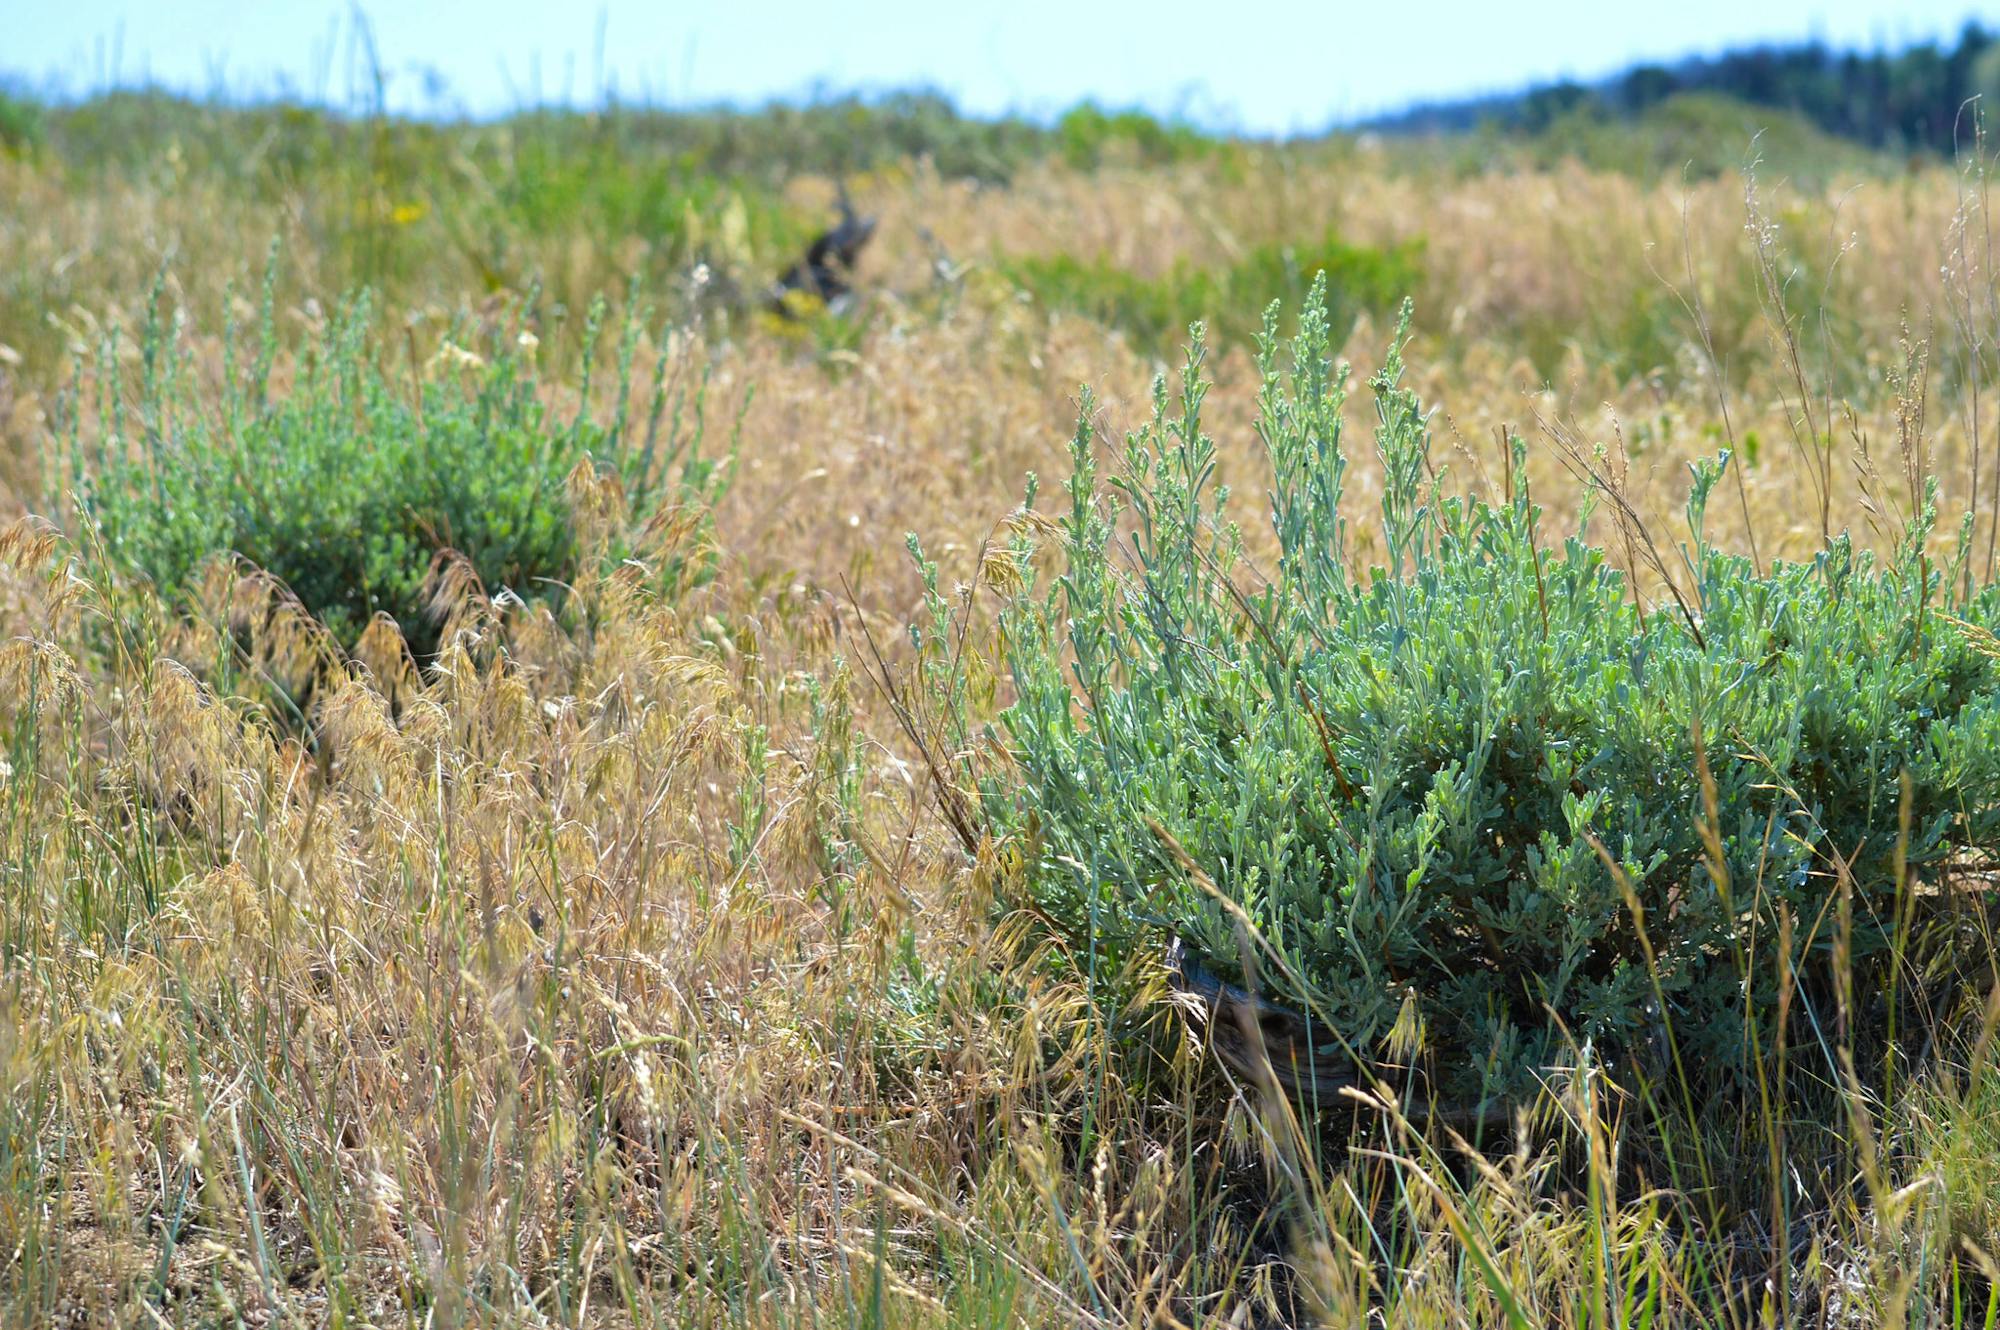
point(20, 124)
point(1466, 786)
point(1090, 136)
point(1154, 312)
point(349, 483)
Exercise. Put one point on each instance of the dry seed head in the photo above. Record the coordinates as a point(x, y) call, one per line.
point(451, 356)
point(29, 664)
point(456, 598)
point(536, 636)
point(1978, 639)
point(385, 1200)
point(669, 528)
point(1024, 521)
point(284, 635)
point(1000, 568)
point(30, 542)
point(354, 719)
point(424, 723)
point(382, 650)
point(186, 740)
point(247, 592)
point(618, 595)
point(174, 693)
point(701, 680)
point(646, 1093)
point(451, 580)
point(223, 903)
point(597, 503)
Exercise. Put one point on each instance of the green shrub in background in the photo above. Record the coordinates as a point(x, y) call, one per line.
point(20, 124)
point(347, 483)
point(1091, 135)
point(1402, 773)
point(1156, 311)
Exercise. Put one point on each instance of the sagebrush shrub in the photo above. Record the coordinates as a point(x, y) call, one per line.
point(349, 482)
point(1403, 774)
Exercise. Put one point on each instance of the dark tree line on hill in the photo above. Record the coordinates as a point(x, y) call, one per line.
point(1912, 98)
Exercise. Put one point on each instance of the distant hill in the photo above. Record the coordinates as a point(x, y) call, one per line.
point(1911, 99)
point(1705, 134)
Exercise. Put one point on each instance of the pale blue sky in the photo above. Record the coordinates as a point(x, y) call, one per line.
point(1271, 67)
